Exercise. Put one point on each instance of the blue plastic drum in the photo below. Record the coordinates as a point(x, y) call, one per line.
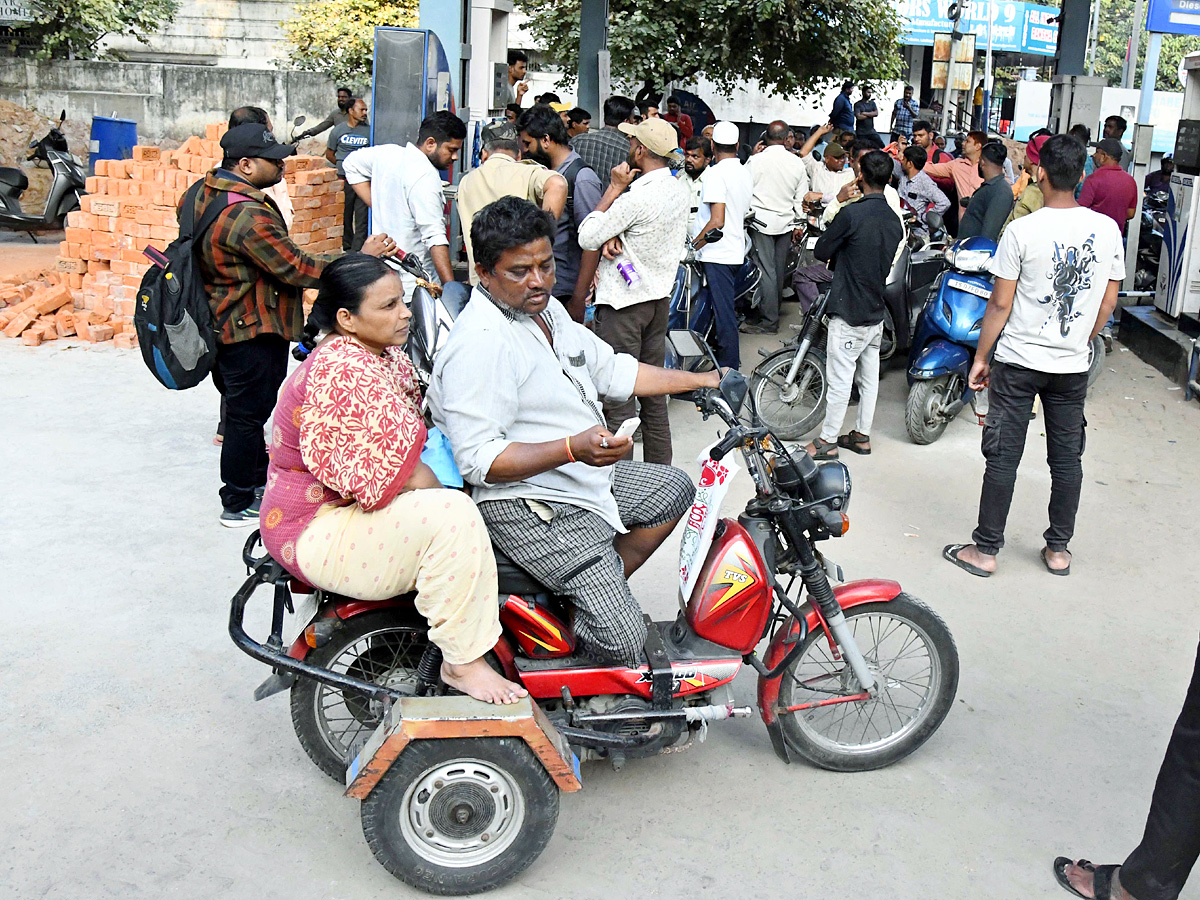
point(111, 139)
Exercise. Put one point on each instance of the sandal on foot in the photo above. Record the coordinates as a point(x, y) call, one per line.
point(1046, 563)
point(950, 553)
point(1101, 877)
point(854, 441)
point(822, 450)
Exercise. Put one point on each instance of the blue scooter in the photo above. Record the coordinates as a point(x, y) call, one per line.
point(947, 334)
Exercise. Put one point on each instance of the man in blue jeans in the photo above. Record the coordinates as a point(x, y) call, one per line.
point(724, 204)
point(1057, 272)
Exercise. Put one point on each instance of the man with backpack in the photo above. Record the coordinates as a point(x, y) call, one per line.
point(254, 275)
point(544, 139)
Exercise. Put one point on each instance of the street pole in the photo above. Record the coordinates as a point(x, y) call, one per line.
point(1149, 77)
point(1130, 70)
point(593, 40)
point(1142, 132)
point(954, 35)
point(1095, 36)
point(987, 68)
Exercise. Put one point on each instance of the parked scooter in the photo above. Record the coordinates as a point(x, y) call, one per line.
point(946, 338)
point(852, 678)
point(66, 187)
point(1155, 214)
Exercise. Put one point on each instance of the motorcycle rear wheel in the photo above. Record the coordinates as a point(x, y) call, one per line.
point(461, 816)
point(924, 426)
point(791, 412)
point(380, 647)
point(910, 651)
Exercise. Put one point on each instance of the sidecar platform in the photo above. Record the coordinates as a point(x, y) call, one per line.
point(417, 718)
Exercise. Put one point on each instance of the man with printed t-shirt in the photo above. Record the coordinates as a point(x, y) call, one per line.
point(351, 135)
point(1057, 274)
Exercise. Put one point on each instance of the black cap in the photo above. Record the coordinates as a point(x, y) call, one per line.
point(254, 140)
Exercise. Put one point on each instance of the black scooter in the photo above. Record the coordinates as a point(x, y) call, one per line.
point(66, 188)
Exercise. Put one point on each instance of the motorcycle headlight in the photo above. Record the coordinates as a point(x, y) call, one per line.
point(970, 260)
point(832, 483)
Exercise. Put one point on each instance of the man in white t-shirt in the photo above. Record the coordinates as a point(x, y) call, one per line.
point(1057, 273)
point(724, 203)
point(403, 188)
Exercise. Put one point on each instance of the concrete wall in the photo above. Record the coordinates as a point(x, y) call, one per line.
point(167, 101)
point(238, 33)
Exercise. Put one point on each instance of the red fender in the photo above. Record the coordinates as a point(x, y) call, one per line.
point(347, 608)
point(853, 593)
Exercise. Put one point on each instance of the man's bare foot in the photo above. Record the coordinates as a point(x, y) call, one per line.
point(1057, 560)
point(976, 557)
point(1083, 879)
point(479, 680)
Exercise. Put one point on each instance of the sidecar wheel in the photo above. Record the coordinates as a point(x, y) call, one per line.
point(461, 816)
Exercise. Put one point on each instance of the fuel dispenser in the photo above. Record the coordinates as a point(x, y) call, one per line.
point(1177, 290)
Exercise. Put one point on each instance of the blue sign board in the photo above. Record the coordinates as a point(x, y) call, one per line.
point(1174, 16)
point(1017, 27)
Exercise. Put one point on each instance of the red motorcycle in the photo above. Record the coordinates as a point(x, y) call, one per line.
point(852, 677)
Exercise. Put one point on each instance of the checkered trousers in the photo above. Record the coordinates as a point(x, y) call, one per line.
point(573, 554)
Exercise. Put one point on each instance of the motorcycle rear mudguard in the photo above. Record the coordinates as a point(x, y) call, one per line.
point(940, 357)
point(849, 595)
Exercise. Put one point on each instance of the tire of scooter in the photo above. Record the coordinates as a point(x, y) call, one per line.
point(887, 343)
point(920, 395)
point(777, 365)
point(316, 739)
point(401, 817)
point(903, 607)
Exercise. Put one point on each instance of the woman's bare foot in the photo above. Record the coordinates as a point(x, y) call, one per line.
point(479, 680)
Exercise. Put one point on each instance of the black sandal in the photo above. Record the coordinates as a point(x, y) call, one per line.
point(823, 449)
point(1101, 877)
point(1046, 563)
point(950, 553)
point(853, 442)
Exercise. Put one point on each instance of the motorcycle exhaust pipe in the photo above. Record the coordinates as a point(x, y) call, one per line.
point(689, 713)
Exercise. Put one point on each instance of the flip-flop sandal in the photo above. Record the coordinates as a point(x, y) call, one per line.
point(950, 553)
point(852, 442)
point(1066, 571)
point(1101, 877)
point(823, 449)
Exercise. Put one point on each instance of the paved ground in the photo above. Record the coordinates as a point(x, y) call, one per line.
point(136, 765)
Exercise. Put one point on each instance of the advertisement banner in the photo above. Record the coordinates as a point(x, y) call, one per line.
point(1017, 27)
point(1174, 16)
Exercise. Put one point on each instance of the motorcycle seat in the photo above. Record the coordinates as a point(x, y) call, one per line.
point(12, 177)
point(512, 579)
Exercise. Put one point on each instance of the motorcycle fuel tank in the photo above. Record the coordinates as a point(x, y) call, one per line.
point(732, 598)
point(538, 630)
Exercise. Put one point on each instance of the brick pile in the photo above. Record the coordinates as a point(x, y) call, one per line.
point(130, 204)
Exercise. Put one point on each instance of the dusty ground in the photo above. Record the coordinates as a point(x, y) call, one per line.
point(23, 260)
point(136, 765)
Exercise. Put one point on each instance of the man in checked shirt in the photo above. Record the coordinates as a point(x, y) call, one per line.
point(254, 274)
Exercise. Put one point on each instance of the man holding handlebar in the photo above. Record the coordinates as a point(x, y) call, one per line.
point(517, 390)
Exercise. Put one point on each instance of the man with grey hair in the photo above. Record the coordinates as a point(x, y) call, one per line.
point(503, 174)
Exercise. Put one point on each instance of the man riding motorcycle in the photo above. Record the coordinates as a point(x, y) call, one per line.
point(517, 390)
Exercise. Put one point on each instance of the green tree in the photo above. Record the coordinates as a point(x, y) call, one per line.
point(788, 46)
point(337, 37)
point(1116, 27)
point(75, 28)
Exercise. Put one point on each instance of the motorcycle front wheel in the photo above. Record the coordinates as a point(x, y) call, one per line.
point(791, 411)
point(912, 656)
point(380, 647)
point(923, 419)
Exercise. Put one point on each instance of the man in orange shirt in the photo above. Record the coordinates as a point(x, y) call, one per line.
point(963, 171)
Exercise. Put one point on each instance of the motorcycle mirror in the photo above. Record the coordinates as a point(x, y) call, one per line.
point(935, 222)
point(713, 236)
point(299, 120)
point(734, 388)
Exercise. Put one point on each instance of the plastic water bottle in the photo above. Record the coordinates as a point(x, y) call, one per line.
point(628, 271)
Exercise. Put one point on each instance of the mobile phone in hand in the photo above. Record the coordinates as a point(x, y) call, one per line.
point(628, 427)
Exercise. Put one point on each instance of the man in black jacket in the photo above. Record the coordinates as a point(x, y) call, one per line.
point(992, 201)
point(859, 244)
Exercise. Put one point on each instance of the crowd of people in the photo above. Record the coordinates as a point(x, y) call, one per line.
point(559, 219)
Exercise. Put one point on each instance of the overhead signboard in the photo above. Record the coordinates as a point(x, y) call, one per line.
point(1174, 16)
point(1017, 27)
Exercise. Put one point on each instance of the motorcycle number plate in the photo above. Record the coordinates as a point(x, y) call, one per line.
point(968, 287)
point(810, 243)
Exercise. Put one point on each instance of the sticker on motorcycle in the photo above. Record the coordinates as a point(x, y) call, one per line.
point(715, 477)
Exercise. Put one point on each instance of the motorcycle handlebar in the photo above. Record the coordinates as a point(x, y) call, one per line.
point(732, 438)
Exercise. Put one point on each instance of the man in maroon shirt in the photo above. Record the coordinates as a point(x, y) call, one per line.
point(1110, 189)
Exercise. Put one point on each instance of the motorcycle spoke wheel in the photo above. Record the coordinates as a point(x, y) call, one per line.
point(791, 410)
point(911, 655)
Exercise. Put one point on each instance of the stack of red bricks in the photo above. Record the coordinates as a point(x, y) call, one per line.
point(130, 205)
